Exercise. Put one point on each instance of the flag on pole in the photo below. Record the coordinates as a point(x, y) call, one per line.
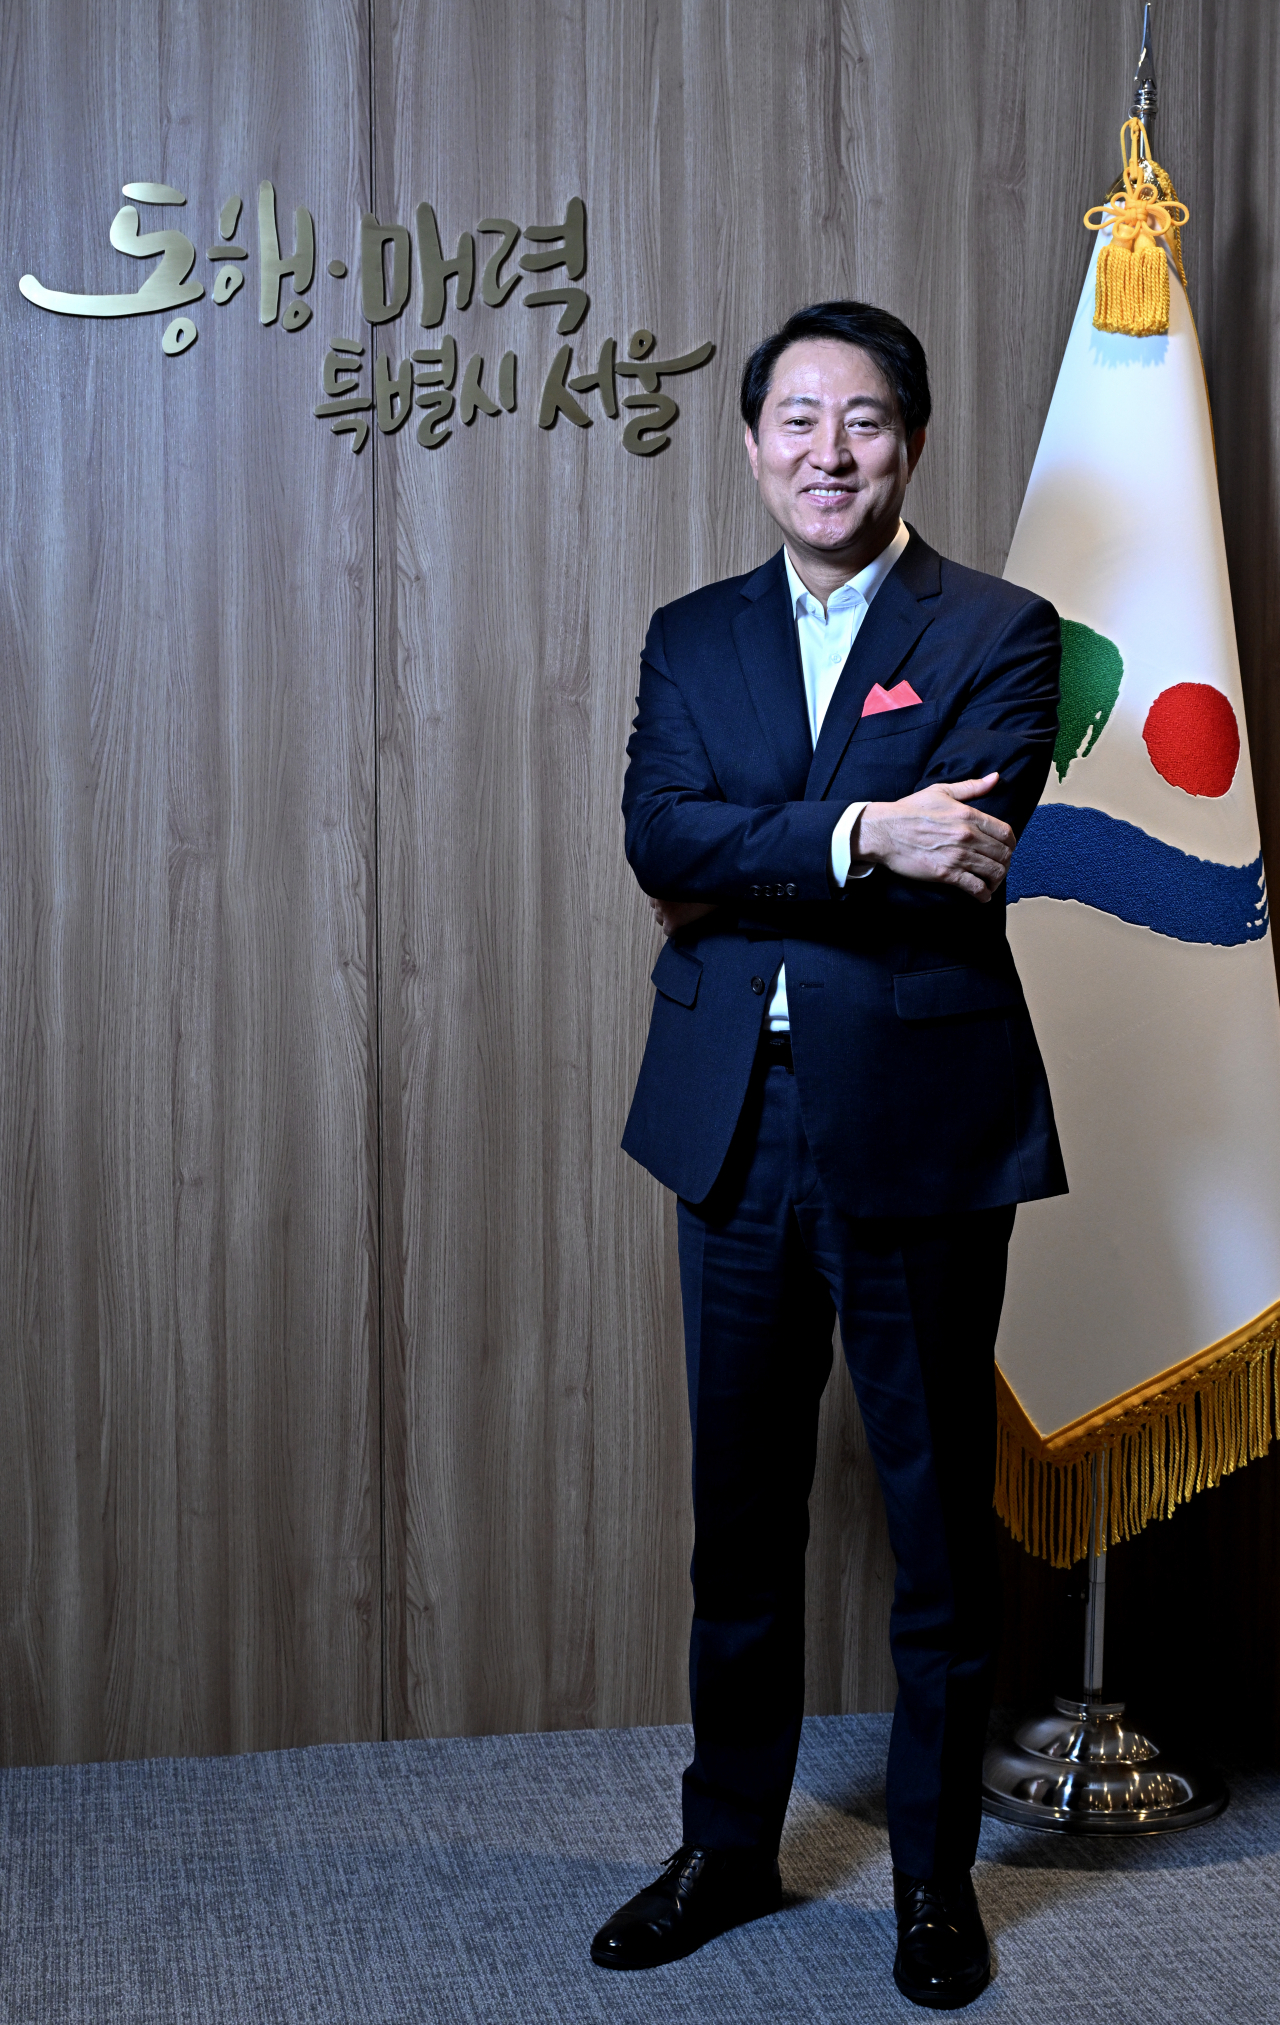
point(1143, 1311)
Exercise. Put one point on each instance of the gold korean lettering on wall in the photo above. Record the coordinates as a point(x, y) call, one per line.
point(428, 377)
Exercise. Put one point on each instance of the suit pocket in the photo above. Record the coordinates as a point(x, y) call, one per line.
point(959, 988)
point(677, 974)
point(891, 723)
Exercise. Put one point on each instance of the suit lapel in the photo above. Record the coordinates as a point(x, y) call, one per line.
point(764, 634)
point(900, 612)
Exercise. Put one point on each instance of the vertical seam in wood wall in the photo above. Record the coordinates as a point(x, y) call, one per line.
point(379, 1248)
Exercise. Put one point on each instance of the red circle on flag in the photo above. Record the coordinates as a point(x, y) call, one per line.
point(1193, 738)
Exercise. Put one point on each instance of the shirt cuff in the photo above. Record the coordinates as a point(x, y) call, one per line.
point(842, 847)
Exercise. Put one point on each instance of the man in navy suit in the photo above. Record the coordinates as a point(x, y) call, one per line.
point(832, 759)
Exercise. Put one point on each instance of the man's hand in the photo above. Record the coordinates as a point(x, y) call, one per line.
point(933, 835)
point(673, 914)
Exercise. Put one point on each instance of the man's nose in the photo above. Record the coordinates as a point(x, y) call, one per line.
point(829, 448)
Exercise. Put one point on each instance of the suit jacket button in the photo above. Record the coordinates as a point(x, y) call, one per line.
point(755, 892)
point(791, 892)
point(757, 985)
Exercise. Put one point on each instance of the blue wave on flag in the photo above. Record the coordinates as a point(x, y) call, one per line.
point(1068, 853)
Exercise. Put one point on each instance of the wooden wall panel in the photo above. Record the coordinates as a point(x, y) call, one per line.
point(187, 1170)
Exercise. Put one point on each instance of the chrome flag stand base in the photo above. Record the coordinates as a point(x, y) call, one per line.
point(1080, 1771)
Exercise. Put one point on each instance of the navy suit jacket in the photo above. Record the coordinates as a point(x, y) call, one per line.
point(920, 1083)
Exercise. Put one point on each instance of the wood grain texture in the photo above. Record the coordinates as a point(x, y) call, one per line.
point(537, 1559)
point(186, 1127)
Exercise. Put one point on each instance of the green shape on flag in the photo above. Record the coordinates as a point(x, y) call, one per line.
point(1092, 672)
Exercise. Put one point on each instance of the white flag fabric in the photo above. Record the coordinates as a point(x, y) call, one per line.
point(1142, 1309)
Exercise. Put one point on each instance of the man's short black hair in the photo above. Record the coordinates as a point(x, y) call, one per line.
point(896, 350)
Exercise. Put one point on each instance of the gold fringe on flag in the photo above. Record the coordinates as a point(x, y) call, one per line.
point(1160, 1444)
point(1132, 292)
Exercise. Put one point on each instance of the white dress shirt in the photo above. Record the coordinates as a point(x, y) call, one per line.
point(825, 640)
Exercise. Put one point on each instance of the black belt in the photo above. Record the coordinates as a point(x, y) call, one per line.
point(775, 1049)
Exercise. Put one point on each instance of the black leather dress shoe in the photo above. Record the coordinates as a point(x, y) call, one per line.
point(943, 1960)
point(701, 1893)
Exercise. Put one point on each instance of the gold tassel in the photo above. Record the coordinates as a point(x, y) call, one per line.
point(1132, 293)
point(1156, 1454)
point(1132, 290)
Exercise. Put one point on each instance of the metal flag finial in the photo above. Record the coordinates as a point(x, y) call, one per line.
point(1145, 100)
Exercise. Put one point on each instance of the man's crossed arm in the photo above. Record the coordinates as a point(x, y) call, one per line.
point(684, 838)
point(932, 835)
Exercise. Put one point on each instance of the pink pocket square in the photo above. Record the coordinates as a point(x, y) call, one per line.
point(900, 697)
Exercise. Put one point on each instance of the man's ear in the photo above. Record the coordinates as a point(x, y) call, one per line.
point(753, 451)
point(915, 444)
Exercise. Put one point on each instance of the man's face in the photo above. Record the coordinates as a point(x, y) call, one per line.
point(831, 457)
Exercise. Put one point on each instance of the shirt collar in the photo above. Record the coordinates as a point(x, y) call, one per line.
point(863, 586)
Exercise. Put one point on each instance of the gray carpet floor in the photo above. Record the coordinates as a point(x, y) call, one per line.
point(461, 1881)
